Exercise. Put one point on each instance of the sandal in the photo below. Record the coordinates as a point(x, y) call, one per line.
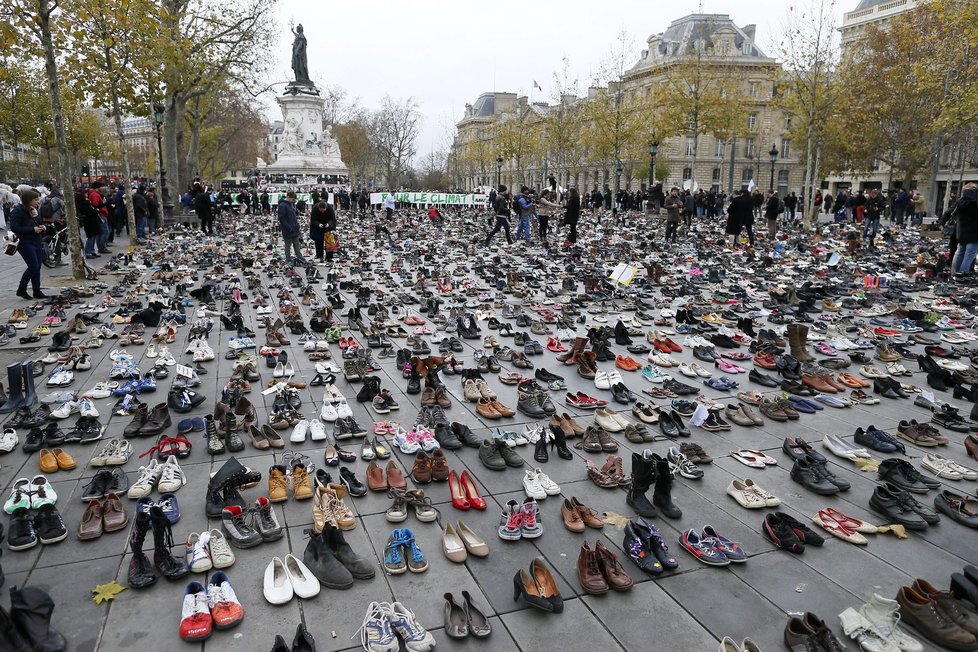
point(599, 477)
point(166, 446)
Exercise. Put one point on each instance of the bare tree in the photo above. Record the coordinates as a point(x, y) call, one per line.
point(394, 132)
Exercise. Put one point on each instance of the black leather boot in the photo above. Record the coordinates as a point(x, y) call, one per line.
point(324, 564)
point(540, 450)
point(662, 495)
point(169, 566)
point(30, 612)
point(15, 385)
point(141, 573)
point(559, 443)
point(215, 499)
point(30, 393)
point(643, 474)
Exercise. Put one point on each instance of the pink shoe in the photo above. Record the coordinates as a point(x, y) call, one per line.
point(825, 349)
point(728, 367)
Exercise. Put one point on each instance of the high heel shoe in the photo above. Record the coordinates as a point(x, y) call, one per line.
point(459, 499)
point(546, 584)
point(559, 442)
point(468, 486)
point(540, 449)
point(524, 585)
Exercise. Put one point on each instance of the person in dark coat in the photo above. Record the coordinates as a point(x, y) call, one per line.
point(572, 214)
point(322, 218)
point(26, 224)
point(772, 209)
point(740, 216)
point(288, 222)
point(205, 211)
point(140, 209)
point(966, 214)
point(90, 221)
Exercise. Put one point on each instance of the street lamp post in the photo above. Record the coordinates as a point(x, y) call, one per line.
point(499, 170)
point(614, 200)
point(158, 112)
point(653, 150)
point(774, 159)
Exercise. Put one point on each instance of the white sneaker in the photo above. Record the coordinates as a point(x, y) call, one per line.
point(221, 554)
point(317, 431)
point(198, 561)
point(171, 476)
point(148, 475)
point(548, 485)
point(343, 409)
point(88, 408)
point(100, 390)
point(328, 413)
point(42, 493)
point(8, 440)
point(405, 624)
point(299, 432)
point(531, 485)
point(66, 409)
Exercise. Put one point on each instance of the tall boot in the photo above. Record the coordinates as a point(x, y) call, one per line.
point(141, 573)
point(15, 385)
point(643, 474)
point(30, 394)
point(214, 500)
point(793, 342)
point(169, 566)
point(30, 611)
point(804, 356)
point(746, 324)
point(662, 495)
point(570, 357)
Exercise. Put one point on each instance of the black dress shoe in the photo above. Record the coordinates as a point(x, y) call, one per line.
point(761, 379)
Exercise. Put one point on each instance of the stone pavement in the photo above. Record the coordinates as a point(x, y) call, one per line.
point(689, 609)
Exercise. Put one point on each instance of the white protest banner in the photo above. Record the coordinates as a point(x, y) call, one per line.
point(430, 198)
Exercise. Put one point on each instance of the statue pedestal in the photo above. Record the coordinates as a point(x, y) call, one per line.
point(305, 148)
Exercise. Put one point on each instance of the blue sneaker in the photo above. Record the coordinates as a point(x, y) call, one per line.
point(394, 562)
point(730, 549)
point(702, 550)
point(128, 387)
point(405, 624)
point(171, 509)
point(375, 631)
point(416, 562)
point(147, 384)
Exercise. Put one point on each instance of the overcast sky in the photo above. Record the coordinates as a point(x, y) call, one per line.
point(446, 53)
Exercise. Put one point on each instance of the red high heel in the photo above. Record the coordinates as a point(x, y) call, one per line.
point(471, 491)
point(459, 500)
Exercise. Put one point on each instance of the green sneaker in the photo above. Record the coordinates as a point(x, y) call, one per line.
point(20, 496)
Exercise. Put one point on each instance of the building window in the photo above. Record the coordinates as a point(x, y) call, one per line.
point(687, 174)
point(752, 121)
point(752, 88)
point(721, 145)
point(787, 124)
point(690, 147)
point(785, 147)
point(749, 148)
point(875, 165)
point(716, 175)
point(782, 182)
point(747, 175)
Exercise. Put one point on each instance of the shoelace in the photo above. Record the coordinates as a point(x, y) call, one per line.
point(219, 593)
point(200, 547)
point(170, 473)
point(375, 626)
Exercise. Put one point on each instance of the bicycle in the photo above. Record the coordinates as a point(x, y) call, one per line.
point(56, 247)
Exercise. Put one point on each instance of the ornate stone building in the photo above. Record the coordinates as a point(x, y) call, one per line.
point(742, 159)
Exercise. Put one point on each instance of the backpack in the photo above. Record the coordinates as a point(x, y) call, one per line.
point(46, 211)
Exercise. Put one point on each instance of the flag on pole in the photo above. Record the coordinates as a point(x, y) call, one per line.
point(536, 85)
point(750, 186)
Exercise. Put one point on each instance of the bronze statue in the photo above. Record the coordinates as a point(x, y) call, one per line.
point(300, 63)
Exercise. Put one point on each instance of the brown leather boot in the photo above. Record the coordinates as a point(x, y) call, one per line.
point(587, 365)
point(589, 571)
point(796, 340)
point(571, 356)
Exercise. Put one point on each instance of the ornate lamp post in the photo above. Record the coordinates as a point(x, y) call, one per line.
point(614, 200)
point(653, 150)
point(774, 159)
point(158, 112)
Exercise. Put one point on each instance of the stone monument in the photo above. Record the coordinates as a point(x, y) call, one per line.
point(306, 149)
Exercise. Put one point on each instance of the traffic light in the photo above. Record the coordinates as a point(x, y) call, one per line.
point(85, 171)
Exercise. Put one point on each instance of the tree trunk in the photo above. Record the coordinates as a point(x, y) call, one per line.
point(44, 10)
point(809, 183)
point(171, 121)
point(193, 150)
point(126, 169)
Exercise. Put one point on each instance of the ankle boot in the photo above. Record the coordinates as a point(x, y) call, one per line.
point(559, 442)
point(643, 474)
point(157, 422)
point(15, 385)
point(30, 614)
point(540, 450)
point(324, 564)
point(662, 495)
point(587, 366)
point(621, 334)
point(570, 357)
point(141, 573)
point(335, 542)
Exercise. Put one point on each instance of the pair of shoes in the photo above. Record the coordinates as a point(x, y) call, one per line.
point(811, 633)
point(788, 533)
point(403, 553)
point(599, 570)
point(711, 547)
point(520, 521)
point(646, 547)
point(465, 619)
point(207, 609)
point(538, 588)
point(384, 622)
point(288, 578)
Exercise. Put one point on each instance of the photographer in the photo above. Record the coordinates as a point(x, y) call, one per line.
point(526, 208)
point(26, 223)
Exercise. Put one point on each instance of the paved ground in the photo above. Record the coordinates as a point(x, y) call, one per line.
point(689, 609)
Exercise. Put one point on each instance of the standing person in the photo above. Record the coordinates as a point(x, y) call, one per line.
point(53, 206)
point(689, 207)
point(827, 202)
point(771, 211)
point(790, 204)
point(966, 214)
point(817, 206)
point(757, 198)
point(544, 212)
point(525, 206)
point(572, 214)
point(204, 211)
point(674, 207)
point(362, 202)
point(289, 223)
point(919, 209)
point(900, 206)
point(389, 205)
point(872, 211)
point(90, 221)
point(740, 215)
point(152, 211)
point(322, 218)
point(595, 201)
point(266, 206)
point(96, 197)
point(501, 210)
point(140, 208)
point(26, 223)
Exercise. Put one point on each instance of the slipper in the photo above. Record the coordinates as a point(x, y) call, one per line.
point(745, 457)
point(761, 456)
point(801, 405)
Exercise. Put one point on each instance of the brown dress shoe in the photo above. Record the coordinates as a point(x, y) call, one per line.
point(816, 383)
point(485, 409)
point(65, 461)
point(301, 483)
point(572, 520)
point(947, 603)
point(737, 416)
point(375, 478)
point(428, 396)
point(588, 515)
point(929, 619)
point(971, 445)
point(395, 478)
point(46, 461)
point(589, 571)
point(439, 465)
point(441, 397)
point(422, 468)
point(566, 421)
point(91, 523)
point(114, 515)
point(501, 409)
point(614, 573)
